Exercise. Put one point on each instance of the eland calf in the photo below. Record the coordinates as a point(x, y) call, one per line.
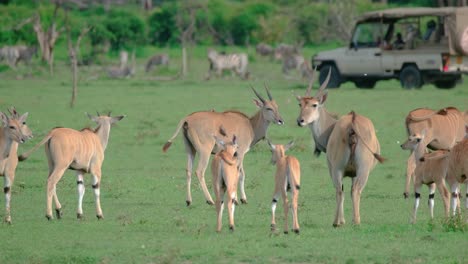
point(431, 170)
point(13, 132)
point(287, 178)
point(443, 129)
point(225, 170)
point(350, 142)
point(81, 151)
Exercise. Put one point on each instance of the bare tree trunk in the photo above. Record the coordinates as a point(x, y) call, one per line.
point(73, 52)
point(107, 4)
point(47, 38)
point(147, 5)
point(187, 29)
point(441, 3)
point(184, 61)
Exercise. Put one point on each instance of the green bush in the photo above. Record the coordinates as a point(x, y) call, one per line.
point(126, 29)
point(162, 25)
point(11, 16)
point(246, 22)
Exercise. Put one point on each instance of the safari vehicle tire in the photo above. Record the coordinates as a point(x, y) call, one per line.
point(365, 84)
point(410, 77)
point(446, 84)
point(335, 78)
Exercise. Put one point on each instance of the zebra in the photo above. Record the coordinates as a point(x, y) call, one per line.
point(14, 54)
point(10, 54)
point(158, 59)
point(297, 62)
point(26, 53)
point(264, 49)
point(285, 50)
point(235, 62)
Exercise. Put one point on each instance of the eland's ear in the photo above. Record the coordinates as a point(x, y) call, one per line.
point(258, 103)
point(116, 119)
point(93, 118)
point(289, 145)
point(23, 117)
point(4, 119)
point(323, 97)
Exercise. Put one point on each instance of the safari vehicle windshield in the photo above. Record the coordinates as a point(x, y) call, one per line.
point(369, 35)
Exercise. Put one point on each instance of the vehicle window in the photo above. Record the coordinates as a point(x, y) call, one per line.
point(368, 35)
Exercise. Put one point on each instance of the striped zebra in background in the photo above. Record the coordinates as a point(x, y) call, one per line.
point(235, 62)
point(156, 60)
point(264, 50)
point(12, 55)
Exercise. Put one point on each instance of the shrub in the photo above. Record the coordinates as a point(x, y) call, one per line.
point(162, 25)
point(246, 22)
point(126, 29)
point(10, 16)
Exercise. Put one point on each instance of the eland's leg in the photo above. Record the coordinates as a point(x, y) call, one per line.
point(337, 177)
point(445, 196)
point(284, 195)
point(242, 183)
point(7, 183)
point(201, 168)
point(466, 197)
point(432, 188)
point(410, 166)
point(242, 178)
point(358, 184)
point(81, 191)
point(454, 201)
point(417, 197)
point(295, 197)
point(54, 177)
point(190, 158)
point(274, 202)
point(220, 209)
point(97, 192)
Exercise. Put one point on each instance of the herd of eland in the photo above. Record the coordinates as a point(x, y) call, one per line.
point(350, 143)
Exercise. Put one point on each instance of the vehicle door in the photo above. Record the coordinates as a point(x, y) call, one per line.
point(364, 54)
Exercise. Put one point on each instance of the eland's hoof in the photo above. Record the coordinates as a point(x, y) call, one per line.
point(188, 202)
point(273, 227)
point(58, 213)
point(286, 232)
point(79, 216)
point(244, 201)
point(231, 228)
point(296, 231)
point(8, 220)
point(210, 202)
point(405, 195)
point(49, 217)
point(100, 217)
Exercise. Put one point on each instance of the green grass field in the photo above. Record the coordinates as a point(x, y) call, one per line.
point(143, 189)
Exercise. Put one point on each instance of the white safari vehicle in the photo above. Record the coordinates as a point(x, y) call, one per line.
point(415, 45)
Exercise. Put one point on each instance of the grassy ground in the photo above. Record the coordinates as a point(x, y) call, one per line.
point(143, 190)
